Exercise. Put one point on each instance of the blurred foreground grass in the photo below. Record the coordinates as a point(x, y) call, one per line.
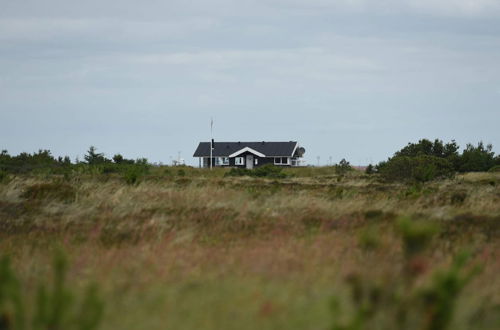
point(196, 250)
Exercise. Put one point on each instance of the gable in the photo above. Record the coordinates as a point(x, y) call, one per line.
point(247, 149)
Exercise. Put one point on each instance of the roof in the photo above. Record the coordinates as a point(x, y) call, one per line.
point(225, 149)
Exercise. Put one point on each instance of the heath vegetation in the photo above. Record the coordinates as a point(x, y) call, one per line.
point(122, 244)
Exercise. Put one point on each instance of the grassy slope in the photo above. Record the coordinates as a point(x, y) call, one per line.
point(205, 252)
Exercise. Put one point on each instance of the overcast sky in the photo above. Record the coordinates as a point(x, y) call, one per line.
point(354, 79)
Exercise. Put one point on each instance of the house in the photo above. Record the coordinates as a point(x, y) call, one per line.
point(249, 154)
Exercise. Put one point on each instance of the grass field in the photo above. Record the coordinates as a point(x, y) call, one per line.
point(193, 249)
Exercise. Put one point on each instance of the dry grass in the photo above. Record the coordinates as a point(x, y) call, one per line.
point(205, 252)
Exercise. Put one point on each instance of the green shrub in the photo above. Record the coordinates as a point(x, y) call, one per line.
point(132, 175)
point(12, 313)
point(439, 299)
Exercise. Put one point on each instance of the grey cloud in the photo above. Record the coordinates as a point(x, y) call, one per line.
point(353, 79)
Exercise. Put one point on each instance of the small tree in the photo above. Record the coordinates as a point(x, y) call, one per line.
point(118, 159)
point(369, 169)
point(93, 158)
point(343, 167)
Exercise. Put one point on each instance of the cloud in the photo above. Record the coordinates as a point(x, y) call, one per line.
point(43, 29)
point(383, 68)
point(459, 8)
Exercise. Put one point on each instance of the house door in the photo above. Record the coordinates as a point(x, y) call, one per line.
point(249, 161)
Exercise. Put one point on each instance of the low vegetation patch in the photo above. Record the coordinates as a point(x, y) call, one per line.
point(50, 191)
point(265, 171)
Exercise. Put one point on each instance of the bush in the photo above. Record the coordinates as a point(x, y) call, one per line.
point(343, 167)
point(3, 176)
point(477, 159)
point(369, 169)
point(267, 171)
point(426, 147)
point(237, 171)
point(495, 168)
point(421, 168)
point(45, 191)
point(132, 175)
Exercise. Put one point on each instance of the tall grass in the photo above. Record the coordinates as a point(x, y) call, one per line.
point(204, 251)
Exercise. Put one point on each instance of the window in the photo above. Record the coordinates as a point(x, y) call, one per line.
point(281, 161)
point(256, 161)
point(238, 161)
point(219, 161)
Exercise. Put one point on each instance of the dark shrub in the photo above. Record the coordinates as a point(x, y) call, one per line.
point(3, 176)
point(94, 158)
point(110, 168)
point(421, 168)
point(370, 169)
point(343, 167)
point(118, 159)
point(477, 159)
point(426, 147)
point(269, 171)
point(495, 168)
point(46, 191)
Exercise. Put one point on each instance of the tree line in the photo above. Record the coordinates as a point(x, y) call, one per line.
point(44, 162)
point(422, 161)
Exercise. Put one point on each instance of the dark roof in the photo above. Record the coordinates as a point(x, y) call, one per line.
point(224, 149)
